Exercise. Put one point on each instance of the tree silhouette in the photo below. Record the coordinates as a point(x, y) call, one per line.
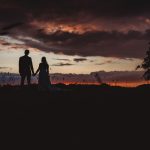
point(146, 65)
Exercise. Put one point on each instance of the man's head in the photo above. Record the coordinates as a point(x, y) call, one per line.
point(26, 52)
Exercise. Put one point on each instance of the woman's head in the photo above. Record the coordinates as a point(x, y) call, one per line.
point(44, 60)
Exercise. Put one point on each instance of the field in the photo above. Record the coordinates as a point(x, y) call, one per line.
point(67, 114)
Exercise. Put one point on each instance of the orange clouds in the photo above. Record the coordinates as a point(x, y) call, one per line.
point(92, 25)
point(51, 27)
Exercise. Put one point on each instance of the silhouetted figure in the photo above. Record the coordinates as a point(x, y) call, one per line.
point(43, 69)
point(98, 78)
point(25, 68)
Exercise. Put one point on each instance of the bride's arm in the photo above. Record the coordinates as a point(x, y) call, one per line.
point(48, 69)
point(37, 70)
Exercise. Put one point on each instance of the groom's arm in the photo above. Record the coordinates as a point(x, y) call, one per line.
point(19, 65)
point(31, 65)
point(48, 69)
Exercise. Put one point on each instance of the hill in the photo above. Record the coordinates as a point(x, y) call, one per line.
point(66, 114)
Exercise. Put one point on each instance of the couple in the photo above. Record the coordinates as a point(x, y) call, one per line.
point(26, 67)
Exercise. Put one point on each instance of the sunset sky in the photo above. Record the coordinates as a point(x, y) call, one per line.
point(75, 36)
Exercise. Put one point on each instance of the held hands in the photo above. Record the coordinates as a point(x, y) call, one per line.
point(34, 74)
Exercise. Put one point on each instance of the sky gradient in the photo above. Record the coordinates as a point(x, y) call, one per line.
point(76, 36)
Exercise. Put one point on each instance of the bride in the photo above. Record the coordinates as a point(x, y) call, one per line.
point(43, 69)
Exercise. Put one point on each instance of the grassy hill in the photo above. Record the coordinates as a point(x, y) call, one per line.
point(68, 114)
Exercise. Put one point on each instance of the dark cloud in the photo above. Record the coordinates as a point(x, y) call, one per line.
point(62, 64)
point(11, 26)
point(79, 59)
point(99, 43)
point(104, 63)
point(95, 43)
point(3, 68)
point(93, 21)
point(63, 59)
point(50, 9)
point(4, 33)
point(4, 43)
point(82, 11)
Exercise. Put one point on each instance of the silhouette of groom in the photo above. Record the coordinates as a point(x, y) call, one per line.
point(25, 68)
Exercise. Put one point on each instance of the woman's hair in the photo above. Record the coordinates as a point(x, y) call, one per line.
point(44, 60)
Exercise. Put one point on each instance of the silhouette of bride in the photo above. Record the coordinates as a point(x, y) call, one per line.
point(43, 69)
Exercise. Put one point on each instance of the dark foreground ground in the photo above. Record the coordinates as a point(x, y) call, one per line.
point(74, 114)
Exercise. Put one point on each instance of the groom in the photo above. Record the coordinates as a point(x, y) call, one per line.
point(25, 68)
